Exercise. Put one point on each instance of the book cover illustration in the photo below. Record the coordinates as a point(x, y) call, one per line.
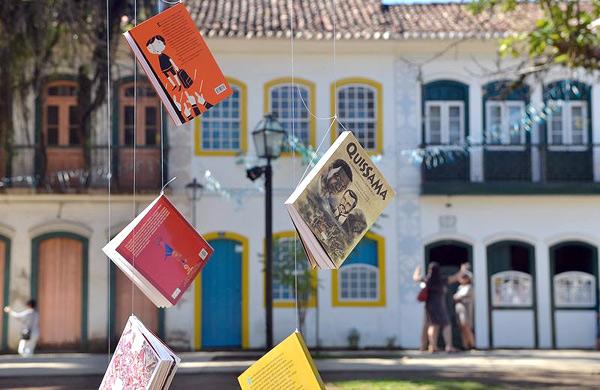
point(343, 199)
point(287, 366)
point(133, 364)
point(179, 64)
point(163, 247)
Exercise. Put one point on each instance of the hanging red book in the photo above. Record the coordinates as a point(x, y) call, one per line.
point(160, 251)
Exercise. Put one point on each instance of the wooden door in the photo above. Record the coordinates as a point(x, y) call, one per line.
point(511, 295)
point(139, 125)
point(141, 306)
point(60, 120)
point(59, 293)
point(574, 287)
point(2, 269)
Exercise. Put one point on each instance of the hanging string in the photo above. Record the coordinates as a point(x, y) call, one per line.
point(162, 131)
point(308, 109)
point(294, 164)
point(325, 136)
point(135, 91)
point(162, 150)
point(334, 62)
point(316, 154)
point(108, 137)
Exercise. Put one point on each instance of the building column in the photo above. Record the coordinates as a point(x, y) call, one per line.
point(596, 131)
point(407, 130)
point(543, 298)
point(476, 132)
point(480, 283)
point(536, 101)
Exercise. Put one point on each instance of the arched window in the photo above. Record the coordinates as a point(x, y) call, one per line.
point(358, 103)
point(360, 281)
point(221, 131)
point(504, 108)
point(139, 125)
point(570, 120)
point(60, 116)
point(445, 111)
point(291, 103)
point(146, 117)
point(287, 251)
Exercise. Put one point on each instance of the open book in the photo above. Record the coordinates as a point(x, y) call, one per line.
point(287, 366)
point(337, 202)
point(160, 251)
point(140, 361)
point(178, 63)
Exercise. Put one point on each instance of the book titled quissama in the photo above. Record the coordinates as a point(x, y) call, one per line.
point(178, 63)
point(337, 202)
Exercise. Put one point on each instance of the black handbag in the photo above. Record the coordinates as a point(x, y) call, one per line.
point(26, 334)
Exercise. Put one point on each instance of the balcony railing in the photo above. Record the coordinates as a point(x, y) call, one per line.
point(514, 169)
point(64, 169)
point(446, 164)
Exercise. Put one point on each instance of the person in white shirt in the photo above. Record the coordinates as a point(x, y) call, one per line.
point(30, 331)
point(463, 306)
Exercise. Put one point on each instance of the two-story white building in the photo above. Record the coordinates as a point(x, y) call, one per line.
point(504, 186)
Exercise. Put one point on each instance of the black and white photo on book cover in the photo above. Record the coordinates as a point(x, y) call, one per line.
point(342, 197)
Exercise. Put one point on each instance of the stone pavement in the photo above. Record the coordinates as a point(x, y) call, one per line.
point(556, 361)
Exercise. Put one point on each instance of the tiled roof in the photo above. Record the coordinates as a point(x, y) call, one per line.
point(354, 19)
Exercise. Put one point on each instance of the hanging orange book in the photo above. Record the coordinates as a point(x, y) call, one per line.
point(178, 63)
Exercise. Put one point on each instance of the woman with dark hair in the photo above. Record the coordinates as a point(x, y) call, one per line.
point(435, 306)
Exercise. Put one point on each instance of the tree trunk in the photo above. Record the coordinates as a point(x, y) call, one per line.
point(84, 102)
point(6, 118)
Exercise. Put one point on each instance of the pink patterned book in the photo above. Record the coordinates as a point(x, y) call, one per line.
point(141, 361)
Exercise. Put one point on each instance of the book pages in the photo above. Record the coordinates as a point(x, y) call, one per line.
point(140, 361)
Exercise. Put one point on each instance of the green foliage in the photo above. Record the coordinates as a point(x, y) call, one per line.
point(292, 270)
point(564, 35)
point(412, 385)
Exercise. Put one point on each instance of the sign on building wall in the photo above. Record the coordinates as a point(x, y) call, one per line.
point(574, 289)
point(511, 288)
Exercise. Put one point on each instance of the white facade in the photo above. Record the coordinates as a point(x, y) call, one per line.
point(413, 220)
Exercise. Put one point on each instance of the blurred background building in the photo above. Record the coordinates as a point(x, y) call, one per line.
point(423, 89)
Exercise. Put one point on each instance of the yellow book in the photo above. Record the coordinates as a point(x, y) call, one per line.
point(287, 366)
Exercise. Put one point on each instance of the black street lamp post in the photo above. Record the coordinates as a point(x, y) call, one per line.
point(193, 190)
point(268, 139)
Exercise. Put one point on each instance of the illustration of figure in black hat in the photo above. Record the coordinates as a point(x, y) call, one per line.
point(156, 45)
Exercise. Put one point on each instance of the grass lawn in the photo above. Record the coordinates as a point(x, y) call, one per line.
point(407, 384)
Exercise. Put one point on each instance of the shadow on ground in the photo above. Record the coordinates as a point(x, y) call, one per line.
point(228, 381)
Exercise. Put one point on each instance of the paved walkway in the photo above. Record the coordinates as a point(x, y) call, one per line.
point(564, 361)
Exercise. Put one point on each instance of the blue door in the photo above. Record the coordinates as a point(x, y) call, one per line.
point(222, 296)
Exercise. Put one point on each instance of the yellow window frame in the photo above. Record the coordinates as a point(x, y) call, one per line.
point(335, 278)
point(199, 151)
point(378, 113)
point(312, 98)
point(312, 302)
